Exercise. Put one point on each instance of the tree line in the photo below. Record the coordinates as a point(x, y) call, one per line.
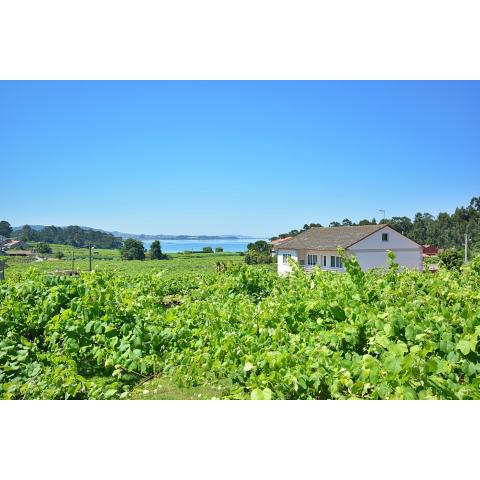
point(72, 235)
point(444, 231)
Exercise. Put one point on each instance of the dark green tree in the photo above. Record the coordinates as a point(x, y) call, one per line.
point(5, 229)
point(207, 250)
point(155, 250)
point(260, 246)
point(27, 234)
point(133, 250)
point(218, 249)
point(43, 247)
point(259, 252)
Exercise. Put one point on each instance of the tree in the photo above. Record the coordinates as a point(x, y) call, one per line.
point(346, 222)
point(156, 251)
point(27, 234)
point(44, 248)
point(259, 252)
point(133, 250)
point(308, 226)
point(260, 246)
point(402, 225)
point(5, 228)
point(207, 250)
point(451, 258)
point(59, 255)
point(218, 249)
point(335, 224)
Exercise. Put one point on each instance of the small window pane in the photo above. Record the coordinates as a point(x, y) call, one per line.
point(332, 261)
point(324, 260)
point(384, 237)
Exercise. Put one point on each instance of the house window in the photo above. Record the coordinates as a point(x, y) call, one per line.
point(312, 259)
point(384, 237)
point(324, 260)
point(336, 262)
point(286, 256)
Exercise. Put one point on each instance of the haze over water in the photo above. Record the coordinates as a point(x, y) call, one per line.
point(175, 246)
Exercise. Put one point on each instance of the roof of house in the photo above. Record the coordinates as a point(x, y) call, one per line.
point(21, 253)
point(11, 243)
point(280, 240)
point(329, 238)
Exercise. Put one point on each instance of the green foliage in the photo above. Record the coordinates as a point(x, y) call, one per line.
point(451, 258)
point(156, 251)
point(260, 246)
point(258, 252)
point(253, 258)
point(43, 248)
point(72, 235)
point(218, 249)
point(371, 335)
point(207, 250)
point(5, 229)
point(59, 255)
point(133, 250)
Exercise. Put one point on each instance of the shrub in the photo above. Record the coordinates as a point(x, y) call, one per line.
point(258, 252)
point(156, 251)
point(59, 255)
point(252, 257)
point(133, 250)
point(44, 248)
point(207, 250)
point(218, 249)
point(451, 258)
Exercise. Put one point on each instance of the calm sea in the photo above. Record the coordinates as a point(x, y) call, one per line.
point(175, 246)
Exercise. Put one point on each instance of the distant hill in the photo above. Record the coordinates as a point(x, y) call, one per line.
point(142, 236)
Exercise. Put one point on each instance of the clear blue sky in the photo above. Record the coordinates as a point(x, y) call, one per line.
point(234, 157)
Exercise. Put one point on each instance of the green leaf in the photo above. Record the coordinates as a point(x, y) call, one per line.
point(257, 394)
point(410, 333)
point(467, 344)
point(393, 364)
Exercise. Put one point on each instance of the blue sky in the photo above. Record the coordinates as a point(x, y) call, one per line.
point(252, 158)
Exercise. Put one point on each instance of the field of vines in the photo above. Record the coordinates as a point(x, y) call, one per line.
point(359, 335)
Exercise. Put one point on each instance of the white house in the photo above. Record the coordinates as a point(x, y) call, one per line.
point(317, 246)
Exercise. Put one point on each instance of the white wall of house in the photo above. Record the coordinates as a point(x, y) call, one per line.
point(323, 259)
point(371, 252)
point(302, 256)
point(284, 268)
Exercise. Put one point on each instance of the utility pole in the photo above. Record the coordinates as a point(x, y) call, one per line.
point(382, 211)
point(90, 247)
point(2, 270)
point(73, 259)
point(466, 248)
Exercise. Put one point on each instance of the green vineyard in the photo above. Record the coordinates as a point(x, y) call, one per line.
point(364, 335)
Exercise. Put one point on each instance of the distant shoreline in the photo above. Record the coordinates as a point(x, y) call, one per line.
point(189, 237)
point(143, 236)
